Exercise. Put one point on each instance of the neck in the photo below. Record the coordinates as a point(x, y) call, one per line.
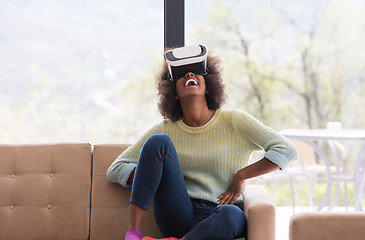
point(196, 114)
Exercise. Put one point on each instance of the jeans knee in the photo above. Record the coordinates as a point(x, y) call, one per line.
point(158, 140)
point(157, 146)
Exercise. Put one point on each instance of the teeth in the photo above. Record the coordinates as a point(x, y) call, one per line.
point(191, 81)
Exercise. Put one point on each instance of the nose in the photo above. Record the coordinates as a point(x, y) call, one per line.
point(189, 74)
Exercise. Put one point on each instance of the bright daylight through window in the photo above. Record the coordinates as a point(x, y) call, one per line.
point(84, 70)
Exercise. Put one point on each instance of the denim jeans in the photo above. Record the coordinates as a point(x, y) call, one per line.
point(158, 176)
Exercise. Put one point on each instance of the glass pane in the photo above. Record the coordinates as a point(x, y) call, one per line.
point(70, 70)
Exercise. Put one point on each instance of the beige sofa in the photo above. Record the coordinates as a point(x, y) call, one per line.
point(327, 226)
point(59, 191)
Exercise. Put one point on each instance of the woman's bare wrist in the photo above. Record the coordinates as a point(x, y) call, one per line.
point(130, 179)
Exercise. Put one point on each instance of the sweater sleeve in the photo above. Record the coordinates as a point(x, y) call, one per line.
point(278, 149)
point(120, 170)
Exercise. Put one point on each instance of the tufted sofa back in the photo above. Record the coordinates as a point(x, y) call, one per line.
point(109, 201)
point(60, 192)
point(45, 191)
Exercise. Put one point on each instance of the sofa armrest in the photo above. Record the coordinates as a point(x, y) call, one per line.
point(323, 226)
point(259, 208)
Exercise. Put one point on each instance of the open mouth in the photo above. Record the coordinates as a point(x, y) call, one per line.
point(191, 82)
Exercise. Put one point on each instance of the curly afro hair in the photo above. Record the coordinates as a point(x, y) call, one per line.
point(170, 107)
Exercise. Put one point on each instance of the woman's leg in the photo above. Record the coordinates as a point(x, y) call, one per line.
point(137, 216)
point(226, 222)
point(158, 176)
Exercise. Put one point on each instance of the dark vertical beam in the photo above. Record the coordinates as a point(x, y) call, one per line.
point(174, 23)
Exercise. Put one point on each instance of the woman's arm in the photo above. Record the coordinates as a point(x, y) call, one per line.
point(258, 168)
point(278, 149)
point(279, 153)
point(122, 169)
point(131, 177)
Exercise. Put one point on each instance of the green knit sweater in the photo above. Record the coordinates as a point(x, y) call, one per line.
point(210, 155)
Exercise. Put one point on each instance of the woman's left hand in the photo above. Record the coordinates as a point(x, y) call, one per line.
point(235, 190)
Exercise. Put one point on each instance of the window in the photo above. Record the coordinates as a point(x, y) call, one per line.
point(70, 69)
point(84, 70)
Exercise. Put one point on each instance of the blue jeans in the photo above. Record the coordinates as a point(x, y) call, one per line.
point(158, 176)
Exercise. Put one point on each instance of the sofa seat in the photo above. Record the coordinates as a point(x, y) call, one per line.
point(60, 192)
point(327, 226)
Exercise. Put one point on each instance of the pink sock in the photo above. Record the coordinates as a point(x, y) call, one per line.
point(133, 235)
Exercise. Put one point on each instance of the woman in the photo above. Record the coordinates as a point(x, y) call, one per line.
point(194, 163)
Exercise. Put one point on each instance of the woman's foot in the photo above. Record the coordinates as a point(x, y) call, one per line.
point(133, 235)
point(149, 238)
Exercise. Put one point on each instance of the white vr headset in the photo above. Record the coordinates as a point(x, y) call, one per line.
point(186, 59)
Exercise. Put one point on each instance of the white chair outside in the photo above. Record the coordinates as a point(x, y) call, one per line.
point(291, 174)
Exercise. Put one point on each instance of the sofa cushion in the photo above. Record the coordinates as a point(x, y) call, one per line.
point(327, 226)
point(45, 191)
point(110, 201)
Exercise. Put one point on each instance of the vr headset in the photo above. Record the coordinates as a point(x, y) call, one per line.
point(186, 59)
